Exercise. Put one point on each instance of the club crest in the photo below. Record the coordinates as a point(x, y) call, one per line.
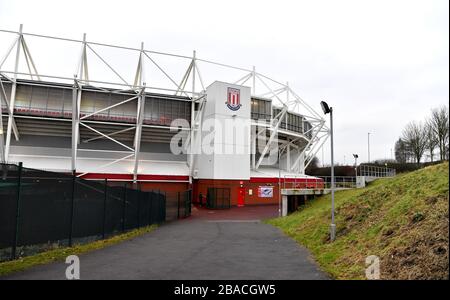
point(234, 99)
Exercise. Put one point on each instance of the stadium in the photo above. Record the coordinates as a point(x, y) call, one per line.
point(173, 123)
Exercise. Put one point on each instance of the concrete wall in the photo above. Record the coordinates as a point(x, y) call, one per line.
point(250, 190)
point(230, 158)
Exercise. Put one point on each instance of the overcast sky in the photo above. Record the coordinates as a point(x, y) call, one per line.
point(380, 64)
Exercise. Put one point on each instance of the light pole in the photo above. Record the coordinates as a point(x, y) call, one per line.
point(368, 146)
point(326, 109)
point(356, 164)
point(279, 183)
point(323, 161)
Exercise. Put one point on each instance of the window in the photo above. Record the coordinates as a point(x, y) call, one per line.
point(160, 111)
point(260, 109)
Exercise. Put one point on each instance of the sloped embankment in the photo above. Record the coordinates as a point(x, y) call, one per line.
point(402, 220)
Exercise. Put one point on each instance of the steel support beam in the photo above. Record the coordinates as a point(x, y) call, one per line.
point(138, 134)
point(191, 146)
point(106, 136)
point(164, 72)
point(311, 156)
point(184, 80)
point(76, 97)
point(244, 79)
point(199, 76)
point(272, 137)
point(309, 143)
point(108, 65)
point(82, 69)
point(111, 134)
point(139, 77)
point(288, 157)
point(274, 95)
point(277, 91)
point(13, 97)
point(253, 136)
point(9, 51)
point(198, 120)
point(254, 80)
point(29, 60)
point(107, 165)
point(2, 138)
point(5, 100)
point(109, 107)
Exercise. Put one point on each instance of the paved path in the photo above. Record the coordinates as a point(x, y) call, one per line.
point(218, 245)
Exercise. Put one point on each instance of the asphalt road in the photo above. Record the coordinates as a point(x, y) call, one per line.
point(195, 248)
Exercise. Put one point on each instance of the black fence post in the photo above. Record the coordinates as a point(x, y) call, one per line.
point(178, 202)
point(163, 205)
point(190, 202)
point(164, 208)
point(150, 211)
point(16, 232)
point(158, 212)
point(72, 207)
point(124, 206)
point(139, 205)
point(105, 192)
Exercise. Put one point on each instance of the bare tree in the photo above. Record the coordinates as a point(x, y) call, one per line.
point(415, 137)
point(439, 123)
point(432, 139)
point(314, 162)
point(402, 153)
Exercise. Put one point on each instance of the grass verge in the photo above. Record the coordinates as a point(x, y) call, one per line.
point(60, 254)
point(402, 220)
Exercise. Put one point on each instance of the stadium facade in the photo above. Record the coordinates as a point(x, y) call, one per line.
point(248, 135)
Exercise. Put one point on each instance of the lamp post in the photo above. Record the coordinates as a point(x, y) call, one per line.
point(356, 169)
point(356, 164)
point(279, 184)
point(326, 109)
point(368, 146)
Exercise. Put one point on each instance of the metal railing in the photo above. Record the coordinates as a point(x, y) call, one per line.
point(319, 183)
point(340, 182)
point(374, 171)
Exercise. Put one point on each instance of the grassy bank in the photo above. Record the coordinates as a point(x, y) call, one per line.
point(402, 220)
point(60, 254)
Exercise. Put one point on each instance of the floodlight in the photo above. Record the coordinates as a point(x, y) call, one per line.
point(326, 109)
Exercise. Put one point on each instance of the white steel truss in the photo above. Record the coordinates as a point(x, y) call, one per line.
point(83, 79)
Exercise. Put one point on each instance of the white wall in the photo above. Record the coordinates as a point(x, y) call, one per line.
point(231, 129)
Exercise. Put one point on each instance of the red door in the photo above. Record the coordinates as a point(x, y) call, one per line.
point(241, 194)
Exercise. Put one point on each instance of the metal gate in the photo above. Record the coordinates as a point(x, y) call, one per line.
point(218, 198)
point(184, 204)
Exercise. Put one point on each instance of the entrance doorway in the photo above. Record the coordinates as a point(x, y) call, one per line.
point(218, 198)
point(241, 196)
